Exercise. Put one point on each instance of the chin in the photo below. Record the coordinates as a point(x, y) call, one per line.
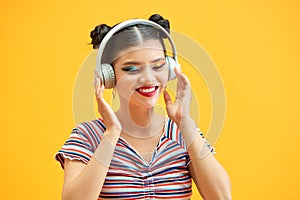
point(145, 104)
point(141, 101)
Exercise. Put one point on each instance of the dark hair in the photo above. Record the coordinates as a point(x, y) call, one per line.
point(128, 37)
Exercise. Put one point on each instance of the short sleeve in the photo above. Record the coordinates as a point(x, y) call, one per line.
point(173, 132)
point(82, 142)
point(209, 147)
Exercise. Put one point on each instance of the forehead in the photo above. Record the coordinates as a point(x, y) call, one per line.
point(144, 51)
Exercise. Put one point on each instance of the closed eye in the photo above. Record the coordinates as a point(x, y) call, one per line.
point(158, 66)
point(131, 69)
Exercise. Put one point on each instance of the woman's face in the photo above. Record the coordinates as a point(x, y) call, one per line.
point(141, 73)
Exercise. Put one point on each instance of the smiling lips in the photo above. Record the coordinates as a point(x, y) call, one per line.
point(147, 91)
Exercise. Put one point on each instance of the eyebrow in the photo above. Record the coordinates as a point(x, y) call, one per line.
point(138, 63)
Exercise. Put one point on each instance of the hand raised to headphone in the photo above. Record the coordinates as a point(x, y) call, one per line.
point(179, 111)
point(111, 121)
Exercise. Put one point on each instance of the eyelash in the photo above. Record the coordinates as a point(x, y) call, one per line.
point(134, 69)
point(157, 67)
point(130, 69)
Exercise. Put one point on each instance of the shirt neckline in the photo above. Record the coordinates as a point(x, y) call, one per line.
point(156, 148)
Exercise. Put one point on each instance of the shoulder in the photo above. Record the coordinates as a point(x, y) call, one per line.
point(94, 126)
point(170, 127)
point(91, 131)
point(82, 142)
point(173, 133)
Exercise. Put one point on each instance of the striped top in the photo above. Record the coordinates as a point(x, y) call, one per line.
point(129, 175)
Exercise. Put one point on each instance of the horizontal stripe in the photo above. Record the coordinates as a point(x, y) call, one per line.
point(129, 176)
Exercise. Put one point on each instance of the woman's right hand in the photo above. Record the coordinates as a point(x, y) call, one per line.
point(111, 121)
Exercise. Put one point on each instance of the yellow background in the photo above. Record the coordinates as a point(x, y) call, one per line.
point(255, 45)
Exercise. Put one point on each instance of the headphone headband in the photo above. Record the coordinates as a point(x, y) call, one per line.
point(125, 24)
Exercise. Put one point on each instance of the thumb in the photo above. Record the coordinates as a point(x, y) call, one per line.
point(167, 98)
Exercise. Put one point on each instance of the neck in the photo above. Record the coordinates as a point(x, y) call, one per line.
point(139, 122)
point(136, 116)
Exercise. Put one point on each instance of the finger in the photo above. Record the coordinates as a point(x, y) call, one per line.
point(95, 81)
point(96, 85)
point(185, 79)
point(182, 77)
point(179, 91)
point(167, 98)
point(98, 89)
point(176, 69)
point(180, 85)
point(184, 83)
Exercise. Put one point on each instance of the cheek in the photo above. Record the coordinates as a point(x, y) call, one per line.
point(120, 78)
point(125, 83)
point(163, 77)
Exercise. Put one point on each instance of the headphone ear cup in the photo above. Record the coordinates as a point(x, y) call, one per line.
point(106, 74)
point(172, 64)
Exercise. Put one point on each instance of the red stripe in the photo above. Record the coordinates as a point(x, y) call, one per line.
point(127, 166)
point(77, 151)
point(90, 136)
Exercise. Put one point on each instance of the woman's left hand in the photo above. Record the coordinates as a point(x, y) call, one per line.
point(180, 109)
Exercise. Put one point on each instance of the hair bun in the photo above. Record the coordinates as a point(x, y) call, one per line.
point(161, 21)
point(98, 34)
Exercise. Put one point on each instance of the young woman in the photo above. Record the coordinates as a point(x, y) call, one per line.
point(135, 153)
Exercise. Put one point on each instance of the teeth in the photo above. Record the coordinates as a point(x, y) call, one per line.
point(147, 90)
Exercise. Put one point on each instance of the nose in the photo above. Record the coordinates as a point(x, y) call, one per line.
point(147, 77)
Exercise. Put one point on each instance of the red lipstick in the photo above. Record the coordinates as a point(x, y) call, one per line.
point(147, 91)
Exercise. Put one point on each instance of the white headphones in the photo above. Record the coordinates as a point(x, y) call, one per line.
point(106, 72)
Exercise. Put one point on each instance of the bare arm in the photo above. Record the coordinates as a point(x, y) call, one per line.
point(208, 174)
point(85, 181)
point(210, 177)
